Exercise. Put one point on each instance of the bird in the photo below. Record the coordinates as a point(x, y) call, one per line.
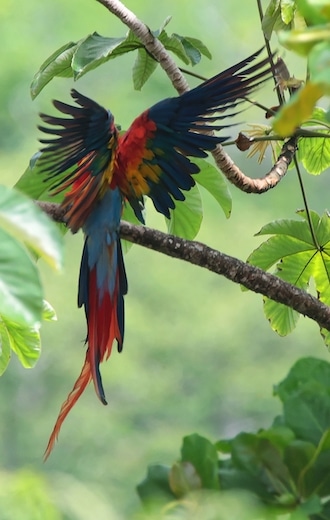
point(100, 170)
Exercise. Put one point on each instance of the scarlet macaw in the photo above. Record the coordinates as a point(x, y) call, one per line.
point(104, 170)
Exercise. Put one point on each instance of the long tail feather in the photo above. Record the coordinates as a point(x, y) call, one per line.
point(102, 286)
point(79, 387)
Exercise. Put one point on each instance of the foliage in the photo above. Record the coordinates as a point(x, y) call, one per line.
point(25, 231)
point(284, 469)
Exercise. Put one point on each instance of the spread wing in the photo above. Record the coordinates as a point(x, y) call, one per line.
point(153, 155)
point(79, 154)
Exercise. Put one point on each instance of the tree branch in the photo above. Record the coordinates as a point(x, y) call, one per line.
point(232, 268)
point(224, 162)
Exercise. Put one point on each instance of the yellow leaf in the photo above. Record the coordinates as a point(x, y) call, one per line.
point(298, 109)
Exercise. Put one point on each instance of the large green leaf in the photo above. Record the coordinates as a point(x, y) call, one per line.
point(298, 255)
point(303, 371)
point(58, 64)
point(187, 216)
point(262, 460)
point(305, 393)
point(297, 456)
point(25, 221)
point(202, 454)
point(20, 286)
point(94, 50)
point(213, 181)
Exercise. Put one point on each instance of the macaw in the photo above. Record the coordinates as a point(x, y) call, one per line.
point(101, 170)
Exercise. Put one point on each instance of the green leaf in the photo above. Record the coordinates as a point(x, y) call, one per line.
point(307, 413)
point(32, 183)
point(303, 40)
point(317, 476)
point(48, 312)
point(193, 48)
point(282, 319)
point(287, 10)
point(173, 43)
point(199, 45)
point(187, 216)
point(184, 478)
point(297, 260)
point(297, 456)
point(25, 221)
point(303, 371)
point(94, 50)
point(213, 181)
point(58, 64)
point(262, 460)
point(315, 12)
point(319, 64)
point(25, 342)
point(270, 17)
point(144, 66)
point(202, 454)
point(155, 487)
point(4, 347)
point(20, 287)
point(314, 152)
point(278, 16)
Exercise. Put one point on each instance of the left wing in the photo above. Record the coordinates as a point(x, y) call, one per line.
point(80, 156)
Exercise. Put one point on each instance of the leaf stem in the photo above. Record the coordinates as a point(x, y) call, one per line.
point(304, 196)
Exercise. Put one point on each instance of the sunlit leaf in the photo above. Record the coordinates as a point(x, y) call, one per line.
point(20, 287)
point(282, 319)
point(4, 347)
point(24, 220)
point(25, 342)
point(187, 216)
point(298, 109)
point(287, 10)
point(48, 312)
point(314, 152)
point(299, 256)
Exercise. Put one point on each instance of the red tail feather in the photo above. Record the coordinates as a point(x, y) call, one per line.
point(78, 389)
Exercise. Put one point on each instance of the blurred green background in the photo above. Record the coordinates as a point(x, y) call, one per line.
point(199, 355)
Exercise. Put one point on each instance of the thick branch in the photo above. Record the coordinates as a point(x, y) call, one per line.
point(235, 270)
point(224, 162)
